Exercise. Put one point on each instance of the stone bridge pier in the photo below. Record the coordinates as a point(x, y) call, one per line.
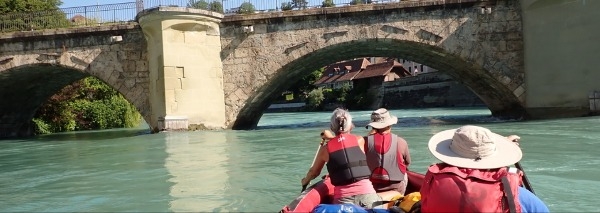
point(193, 69)
point(168, 66)
point(186, 78)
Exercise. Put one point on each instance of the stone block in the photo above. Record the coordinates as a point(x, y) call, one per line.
point(129, 66)
point(141, 66)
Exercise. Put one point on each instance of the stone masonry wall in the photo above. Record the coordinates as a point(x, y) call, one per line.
point(35, 65)
point(482, 51)
point(427, 90)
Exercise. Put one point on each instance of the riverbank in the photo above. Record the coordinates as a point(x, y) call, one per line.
point(425, 90)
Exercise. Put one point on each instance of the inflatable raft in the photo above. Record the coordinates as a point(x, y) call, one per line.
point(322, 193)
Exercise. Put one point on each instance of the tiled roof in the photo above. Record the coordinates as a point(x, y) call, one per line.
point(382, 69)
point(352, 67)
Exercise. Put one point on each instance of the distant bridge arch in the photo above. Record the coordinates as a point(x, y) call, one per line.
point(483, 52)
point(28, 78)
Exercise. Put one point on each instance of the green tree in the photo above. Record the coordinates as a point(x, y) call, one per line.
point(342, 93)
point(198, 4)
point(84, 105)
point(246, 8)
point(8, 6)
point(306, 83)
point(328, 3)
point(21, 15)
point(300, 4)
point(215, 6)
point(356, 2)
point(285, 6)
point(315, 99)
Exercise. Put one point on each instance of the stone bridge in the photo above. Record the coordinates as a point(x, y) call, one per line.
point(188, 69)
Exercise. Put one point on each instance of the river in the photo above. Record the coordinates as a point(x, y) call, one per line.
point(260, 170)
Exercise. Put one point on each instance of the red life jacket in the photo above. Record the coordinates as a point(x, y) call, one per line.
point(385, 161)
point(451, 189)
point(347, 162)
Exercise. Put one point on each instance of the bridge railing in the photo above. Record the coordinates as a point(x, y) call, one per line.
point(120, 13)
point(69, 17)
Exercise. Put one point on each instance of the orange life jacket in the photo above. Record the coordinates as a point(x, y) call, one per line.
point(452, 189)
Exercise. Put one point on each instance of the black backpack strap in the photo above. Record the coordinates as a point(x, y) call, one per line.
point(416, 208)
point(508, 195)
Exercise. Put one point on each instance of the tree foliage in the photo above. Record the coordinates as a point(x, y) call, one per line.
point(315, 99)
point(300, 4)
point(246, 8)
point(85, 105)
point(285, 6)
point(328, 3)
point(21, 15)
point(8, 6)
point(198, 4)
point(215, 6)
point(356, 2)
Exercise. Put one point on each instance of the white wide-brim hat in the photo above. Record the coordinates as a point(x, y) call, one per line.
point(474, 147)
point(381, 118)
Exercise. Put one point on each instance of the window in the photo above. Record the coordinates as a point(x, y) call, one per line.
point(330, 74)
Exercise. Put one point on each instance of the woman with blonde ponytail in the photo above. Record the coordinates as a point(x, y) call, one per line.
point(346, 163)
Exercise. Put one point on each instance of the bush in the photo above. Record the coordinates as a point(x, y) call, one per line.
point(285, 6)
point(356, 2)
point(246, 8)
point(315, 99)
point(198, 4)
point(328, 3)
point(216, 6)
point(85, 105)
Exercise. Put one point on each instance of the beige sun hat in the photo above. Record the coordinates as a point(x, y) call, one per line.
point(474, 147)
point(381, 118)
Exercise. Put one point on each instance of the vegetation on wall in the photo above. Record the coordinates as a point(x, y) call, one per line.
point(246, 8)
point(19, 15)
point(285, 6)
point(215, 6)
point(355, 2)
point(317, 99)
point(87, 104)
point(328, 3)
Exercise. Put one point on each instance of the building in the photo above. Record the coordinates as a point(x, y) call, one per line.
point(361, 72)
point(415, 68)
point(342, 73)
point(376, 74)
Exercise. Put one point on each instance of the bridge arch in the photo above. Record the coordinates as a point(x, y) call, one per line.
point(498, 97)
point(32, 70)
point(26, 87)
point(484, 52)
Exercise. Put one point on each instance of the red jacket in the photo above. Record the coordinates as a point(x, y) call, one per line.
point(452, 189)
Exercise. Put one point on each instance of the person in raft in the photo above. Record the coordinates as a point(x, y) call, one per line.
point(346, 164)
point(475, 174)
point(387, 154)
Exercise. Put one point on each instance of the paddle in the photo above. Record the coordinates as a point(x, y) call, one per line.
point(526, 182)
point(313, 163)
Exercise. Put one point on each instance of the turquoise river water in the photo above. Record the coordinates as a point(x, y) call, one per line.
point(129, 170)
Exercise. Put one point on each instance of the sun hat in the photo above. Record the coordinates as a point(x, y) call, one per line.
point(474, 147)
point(381, 118)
